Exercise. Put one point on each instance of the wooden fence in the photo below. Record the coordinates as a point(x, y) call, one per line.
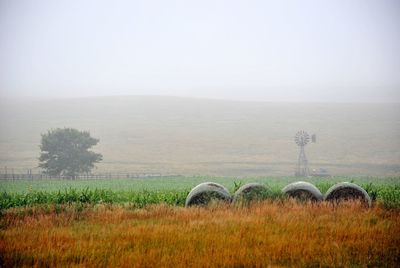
point(29, 175)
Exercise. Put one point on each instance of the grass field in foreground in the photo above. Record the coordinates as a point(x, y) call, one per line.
point(271, 233)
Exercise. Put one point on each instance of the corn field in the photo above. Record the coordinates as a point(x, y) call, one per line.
point(384, 193)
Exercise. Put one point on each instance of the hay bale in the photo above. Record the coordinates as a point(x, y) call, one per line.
point(347, 191)
point(302, 190)
point(206, 192)
point(251, 192)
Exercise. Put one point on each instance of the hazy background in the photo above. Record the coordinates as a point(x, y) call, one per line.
point(310, 50)
point(328, 67)
point(187, 136)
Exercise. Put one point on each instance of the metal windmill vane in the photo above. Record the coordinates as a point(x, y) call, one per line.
point(302, 139)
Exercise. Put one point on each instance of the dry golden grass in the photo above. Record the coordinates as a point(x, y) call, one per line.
point(266, 234)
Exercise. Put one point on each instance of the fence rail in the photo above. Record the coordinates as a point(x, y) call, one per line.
point(32, 176)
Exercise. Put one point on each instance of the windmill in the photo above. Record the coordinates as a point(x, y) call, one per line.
point(301, 139)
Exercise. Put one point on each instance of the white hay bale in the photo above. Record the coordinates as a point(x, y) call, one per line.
point(251, 192)
point(205, 192)
point(303, 190)
point(347, 191)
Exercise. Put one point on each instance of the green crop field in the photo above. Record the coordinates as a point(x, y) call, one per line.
point(175, 183)
point(170, 190)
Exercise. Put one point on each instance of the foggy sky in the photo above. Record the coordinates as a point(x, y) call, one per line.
point(309, 50)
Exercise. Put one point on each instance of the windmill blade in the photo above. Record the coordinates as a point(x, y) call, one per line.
point(301, 138)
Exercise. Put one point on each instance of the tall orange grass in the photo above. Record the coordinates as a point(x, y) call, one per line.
point(265, 234)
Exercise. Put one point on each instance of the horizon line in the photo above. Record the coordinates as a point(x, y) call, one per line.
point(222, 98)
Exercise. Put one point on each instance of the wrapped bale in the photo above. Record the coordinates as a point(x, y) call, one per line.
point(251, 192)
point(302, 190)
point(347, 191)
point(206, 192)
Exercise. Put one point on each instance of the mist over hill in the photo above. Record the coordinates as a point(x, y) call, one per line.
point(191, 136)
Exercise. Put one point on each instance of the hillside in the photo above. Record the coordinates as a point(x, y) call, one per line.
point(209, 137)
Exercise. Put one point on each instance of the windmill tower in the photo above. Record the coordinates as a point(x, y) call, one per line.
point(301, 139)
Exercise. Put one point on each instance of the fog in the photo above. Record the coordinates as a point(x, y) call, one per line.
point(329, 51)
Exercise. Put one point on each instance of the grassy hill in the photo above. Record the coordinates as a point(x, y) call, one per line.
point(209, 137)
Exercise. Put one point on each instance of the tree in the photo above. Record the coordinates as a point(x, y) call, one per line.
point(65, 152)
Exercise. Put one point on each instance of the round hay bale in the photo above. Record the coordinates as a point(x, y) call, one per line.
point(347, 191)
point(251, 192)
point(205, 192)
point(303, 191)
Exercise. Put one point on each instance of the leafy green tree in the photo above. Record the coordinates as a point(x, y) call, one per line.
point(65, 152)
